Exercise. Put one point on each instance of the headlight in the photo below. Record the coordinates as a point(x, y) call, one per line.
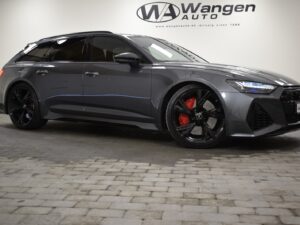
point(252, 87)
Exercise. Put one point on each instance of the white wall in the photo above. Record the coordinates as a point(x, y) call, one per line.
point(266, 39)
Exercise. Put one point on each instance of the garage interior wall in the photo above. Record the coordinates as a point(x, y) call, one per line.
point(266, 39)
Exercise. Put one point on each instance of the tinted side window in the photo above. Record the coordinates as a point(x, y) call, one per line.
point(37, 54)
point(103, 49)
point(68, 50)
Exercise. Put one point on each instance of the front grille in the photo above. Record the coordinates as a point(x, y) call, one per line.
point(291, 95)
point(258, 118)
point(289, 98)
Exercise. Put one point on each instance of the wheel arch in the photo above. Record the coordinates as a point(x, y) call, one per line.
point(14, 83)
point(176, 87)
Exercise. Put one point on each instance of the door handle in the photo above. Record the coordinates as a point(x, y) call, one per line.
point(91, 74)
point(41, 72)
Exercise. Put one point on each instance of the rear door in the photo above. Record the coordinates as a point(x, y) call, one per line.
point(59, 78)
point(113, 90)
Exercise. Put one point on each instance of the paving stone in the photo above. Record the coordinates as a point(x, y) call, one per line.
point(70, 211)
point(19, 195)
point(252, 203)
point(106, 213)
point(185, 180)
point(7, 209)
point(208, 223)
point(128, 206)
point(157, 179)
point(196, 216)
point(297, 211)
point(135, 193)
point(41, 220)
point(121, 221)
point(10, 219)
point(199, 195)
point(128, 178)
point(153, 188)
point(140, 183)
point(51, 196)
point(81, 220)
point(93, 187)
point(148, 200)
point(58, 204)
point(259, 219)
point(14, 189)
point(20, 202)
point(140, 214)
point(273, 211)
point(112, 182)
point(33, 210)
point(236, 210)
point(82, 198)
point(202, 209)
point(163, 207)
point(169, 184)
point(295, 220)
point(184, 189)
point(289, 205)
point(182, 201)
point(104, 192)
point(122, 188)
point(167, 194)
point(93, 205)
point(114, 199)
point(217, 202)
point(160, 222)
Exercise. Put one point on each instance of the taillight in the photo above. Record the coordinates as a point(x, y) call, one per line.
point(1, 72)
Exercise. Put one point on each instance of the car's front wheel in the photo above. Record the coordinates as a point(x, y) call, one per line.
point(195, 117)
point(23, 107)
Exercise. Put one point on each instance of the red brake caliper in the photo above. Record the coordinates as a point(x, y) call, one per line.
point(183, 118)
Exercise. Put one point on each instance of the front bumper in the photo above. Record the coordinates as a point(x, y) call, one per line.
point(289, 128)
point(252, 115)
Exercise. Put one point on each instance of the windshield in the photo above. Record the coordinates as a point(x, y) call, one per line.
point(164, 51)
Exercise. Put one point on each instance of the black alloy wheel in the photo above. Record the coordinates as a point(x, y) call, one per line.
point(195, 117)
point(23, 107)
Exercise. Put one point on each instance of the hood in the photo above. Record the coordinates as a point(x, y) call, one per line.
point(239, 73)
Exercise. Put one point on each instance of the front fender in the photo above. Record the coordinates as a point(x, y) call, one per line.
point(161, 96)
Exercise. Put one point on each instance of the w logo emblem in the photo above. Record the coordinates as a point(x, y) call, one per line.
point(158, 12)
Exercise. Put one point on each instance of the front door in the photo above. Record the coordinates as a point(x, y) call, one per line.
point(113, 90)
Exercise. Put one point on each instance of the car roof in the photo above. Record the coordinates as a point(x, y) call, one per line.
point(77, 34)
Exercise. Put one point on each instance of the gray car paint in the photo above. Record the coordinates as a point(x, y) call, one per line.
point(138, 96)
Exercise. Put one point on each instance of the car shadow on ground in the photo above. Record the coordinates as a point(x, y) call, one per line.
point(73, 141)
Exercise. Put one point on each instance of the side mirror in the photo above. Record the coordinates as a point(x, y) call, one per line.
point(128, 57)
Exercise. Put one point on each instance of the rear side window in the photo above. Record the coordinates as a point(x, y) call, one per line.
point(60, 50)
point(68, 50)
point(37, 54)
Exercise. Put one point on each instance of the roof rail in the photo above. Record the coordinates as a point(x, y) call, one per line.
point(77, 33)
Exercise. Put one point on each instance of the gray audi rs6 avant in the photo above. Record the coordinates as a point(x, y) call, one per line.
point(145, 82)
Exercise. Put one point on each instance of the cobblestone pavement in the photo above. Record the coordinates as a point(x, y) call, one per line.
point(82, 174)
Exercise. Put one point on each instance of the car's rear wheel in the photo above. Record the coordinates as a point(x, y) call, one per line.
point(23, 107)
point(195, 117)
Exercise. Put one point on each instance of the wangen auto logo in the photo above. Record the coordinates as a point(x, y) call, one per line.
point(158, 12)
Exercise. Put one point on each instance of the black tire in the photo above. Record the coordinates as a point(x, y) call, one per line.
point(23, 107)
point(195, 117)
